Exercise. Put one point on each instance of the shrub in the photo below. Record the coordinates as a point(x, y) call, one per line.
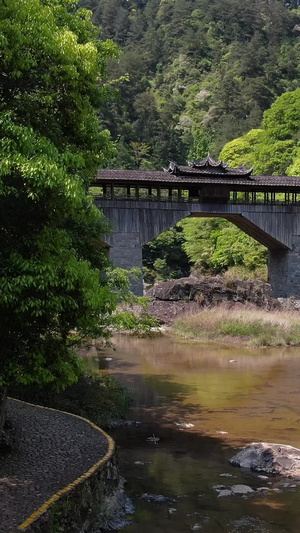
point(98, 397)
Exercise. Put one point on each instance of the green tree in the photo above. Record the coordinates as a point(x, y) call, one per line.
point(241, 151)
point(52, 279)
point(164, 256)
point(214, 245)
point(274, 149)
point(141, 153)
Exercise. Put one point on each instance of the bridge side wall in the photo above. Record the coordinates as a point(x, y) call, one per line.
point(277, 225)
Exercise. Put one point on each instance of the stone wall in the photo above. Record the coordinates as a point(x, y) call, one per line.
point(88, 507)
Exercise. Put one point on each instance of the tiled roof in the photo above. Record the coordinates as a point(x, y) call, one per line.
point(166, 178)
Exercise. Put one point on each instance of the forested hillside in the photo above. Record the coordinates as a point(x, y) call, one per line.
point(200, 72)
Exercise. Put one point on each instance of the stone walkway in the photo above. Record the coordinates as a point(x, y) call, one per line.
point(52, 450)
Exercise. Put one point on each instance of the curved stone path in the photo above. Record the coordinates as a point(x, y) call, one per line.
point(52, 450)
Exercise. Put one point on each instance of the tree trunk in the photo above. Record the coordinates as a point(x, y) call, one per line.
point(3, 403)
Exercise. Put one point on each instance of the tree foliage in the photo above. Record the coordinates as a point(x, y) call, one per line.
point(274, 149)
point(214, 245)
point(51, 262)
point(164, 257)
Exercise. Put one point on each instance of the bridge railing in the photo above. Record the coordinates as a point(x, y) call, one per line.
point(175, 196)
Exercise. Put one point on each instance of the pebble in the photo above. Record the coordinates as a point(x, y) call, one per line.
point(153, 439)
point(241, 489)
point(219, 487)
point(157, 498)
point(184, 425)
point(224, 492)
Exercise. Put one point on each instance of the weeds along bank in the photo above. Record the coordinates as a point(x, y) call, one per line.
point(253, 327)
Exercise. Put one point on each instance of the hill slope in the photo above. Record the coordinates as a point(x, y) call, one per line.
point(202, 72)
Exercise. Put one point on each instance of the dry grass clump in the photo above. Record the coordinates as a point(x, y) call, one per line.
point(255, 327)
point(244, 274)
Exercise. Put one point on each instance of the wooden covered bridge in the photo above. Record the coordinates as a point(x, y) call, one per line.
point(144, 203)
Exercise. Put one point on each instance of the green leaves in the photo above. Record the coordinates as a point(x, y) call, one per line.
point(275, 148)
point(214, 245)
point(52, 262)
point(164, 257)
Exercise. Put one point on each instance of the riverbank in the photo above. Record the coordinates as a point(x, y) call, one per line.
point(251, 327)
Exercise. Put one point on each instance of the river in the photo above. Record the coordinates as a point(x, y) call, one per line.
point(203, 401)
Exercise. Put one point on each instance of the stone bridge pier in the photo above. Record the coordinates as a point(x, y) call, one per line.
point(275, 226)
point(284, 270)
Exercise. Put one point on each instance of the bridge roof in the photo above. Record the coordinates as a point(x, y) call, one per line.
point(188, 178)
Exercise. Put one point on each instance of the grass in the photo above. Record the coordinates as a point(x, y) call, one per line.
point(253, 327)
point(242, 273)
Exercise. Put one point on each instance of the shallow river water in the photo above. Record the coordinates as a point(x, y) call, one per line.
point(231, 397)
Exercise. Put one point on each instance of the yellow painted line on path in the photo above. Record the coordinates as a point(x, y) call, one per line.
point(83, 477)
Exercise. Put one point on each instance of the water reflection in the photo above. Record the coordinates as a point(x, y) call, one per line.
point(232, 396)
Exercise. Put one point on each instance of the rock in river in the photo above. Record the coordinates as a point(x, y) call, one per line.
point(271, 458)
point(157, 498)
point(241, 489)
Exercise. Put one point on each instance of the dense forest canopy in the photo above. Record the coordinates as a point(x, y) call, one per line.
point(200, 72)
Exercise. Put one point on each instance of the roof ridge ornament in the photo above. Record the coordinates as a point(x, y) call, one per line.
point(208, 166)
point(208, 161)
point(173, 167)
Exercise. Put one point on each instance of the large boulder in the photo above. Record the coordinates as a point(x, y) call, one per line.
point(207, 291)
point(174, 298)
point(271, 458)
